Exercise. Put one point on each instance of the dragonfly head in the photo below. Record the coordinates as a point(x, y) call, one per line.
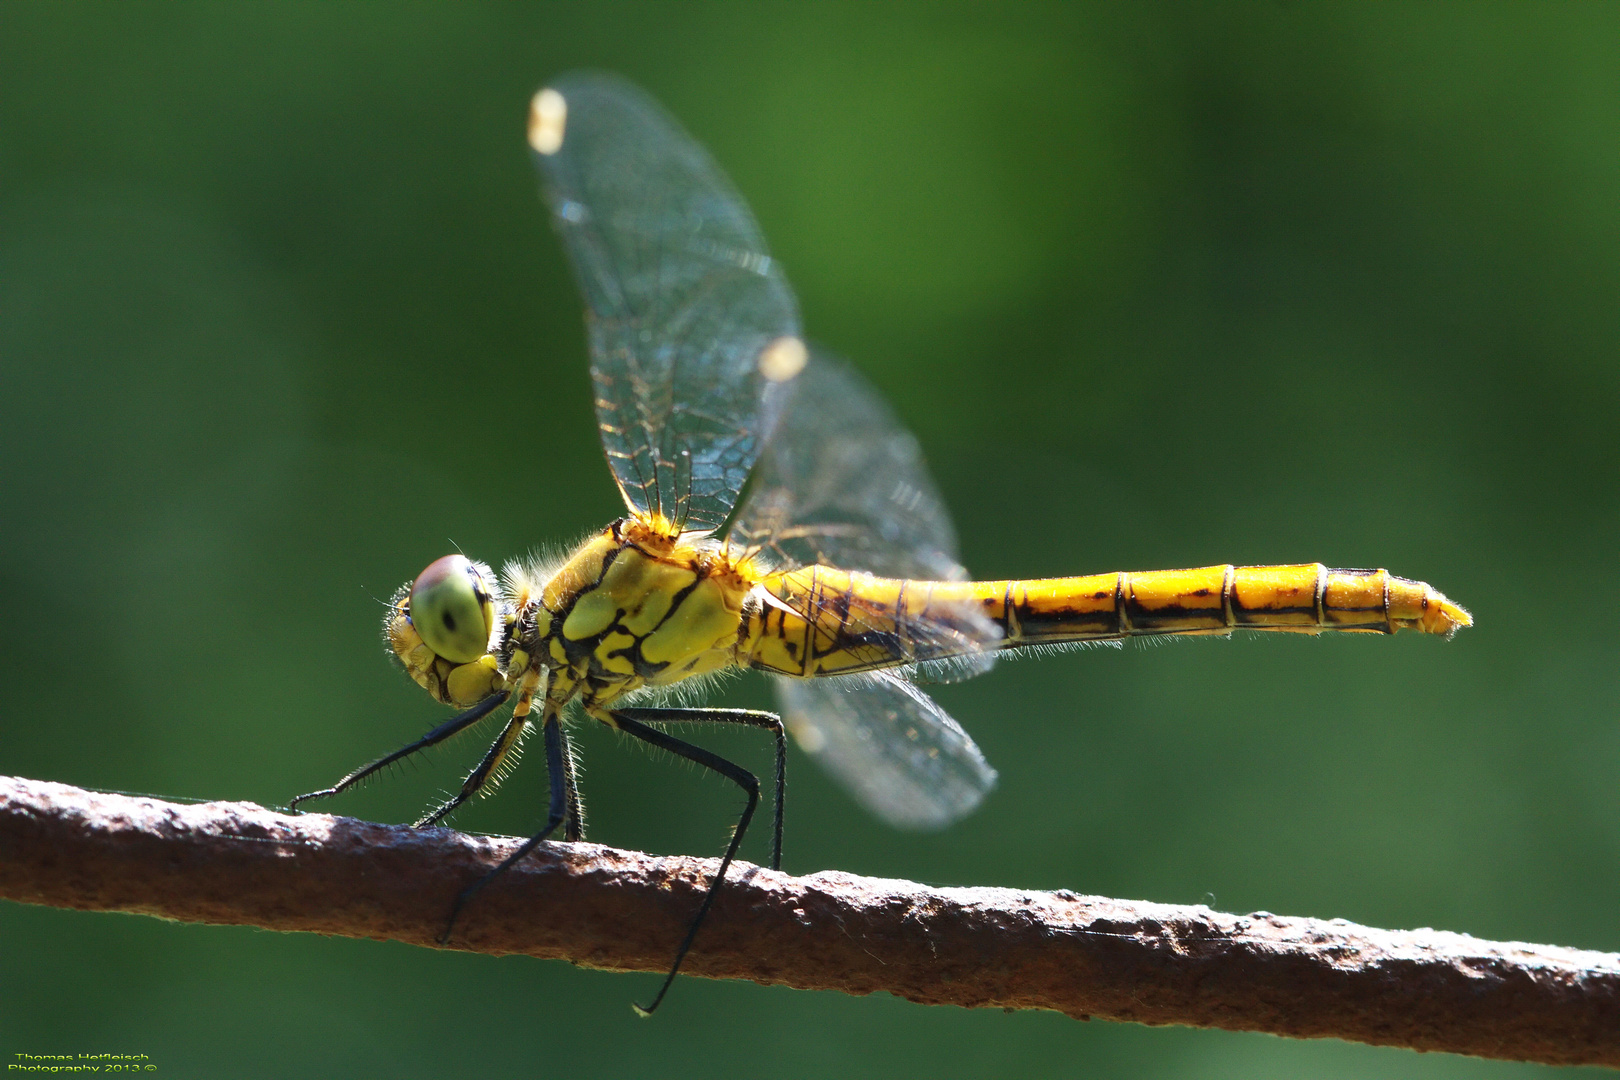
point(447, 628)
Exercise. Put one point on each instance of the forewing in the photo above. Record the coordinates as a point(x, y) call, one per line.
point(843, 484)
point(686, 311)
point(890, 744)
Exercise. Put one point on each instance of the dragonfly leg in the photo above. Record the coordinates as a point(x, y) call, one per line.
point(749, 717)
point(489, 769)
point(459, 722)
point(574, 823)
point(556, 756)
point(630, 722)
point(482, 773)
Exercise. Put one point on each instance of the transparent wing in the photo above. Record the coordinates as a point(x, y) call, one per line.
point(890, 744)
point(843, 484)
point(684, 304)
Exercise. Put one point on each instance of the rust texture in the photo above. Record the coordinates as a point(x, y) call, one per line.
point(1085, 956)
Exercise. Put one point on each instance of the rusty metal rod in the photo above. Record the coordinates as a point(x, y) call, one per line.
point(601, 907)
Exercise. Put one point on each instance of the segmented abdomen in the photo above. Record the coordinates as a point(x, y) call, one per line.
point(822, 621)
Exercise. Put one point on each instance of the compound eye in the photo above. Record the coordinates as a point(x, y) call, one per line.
point(451, 608)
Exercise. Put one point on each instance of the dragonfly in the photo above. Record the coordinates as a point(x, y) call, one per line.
point(778, 517)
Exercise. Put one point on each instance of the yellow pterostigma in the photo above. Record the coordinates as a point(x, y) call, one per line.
point(780, 518)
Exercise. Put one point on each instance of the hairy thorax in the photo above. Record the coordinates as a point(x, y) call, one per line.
point(632, 608)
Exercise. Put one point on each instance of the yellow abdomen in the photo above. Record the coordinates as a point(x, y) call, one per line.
point(823, 621)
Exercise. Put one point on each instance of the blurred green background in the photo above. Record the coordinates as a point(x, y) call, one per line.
point(1155, 285)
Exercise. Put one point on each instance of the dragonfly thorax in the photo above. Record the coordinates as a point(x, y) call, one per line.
point(633, 607)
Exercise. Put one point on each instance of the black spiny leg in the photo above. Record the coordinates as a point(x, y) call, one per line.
point(504, 744)
point(574, 827)
point(556, 756)
point(750, 717)
point(626, 720)
point(456, 723)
